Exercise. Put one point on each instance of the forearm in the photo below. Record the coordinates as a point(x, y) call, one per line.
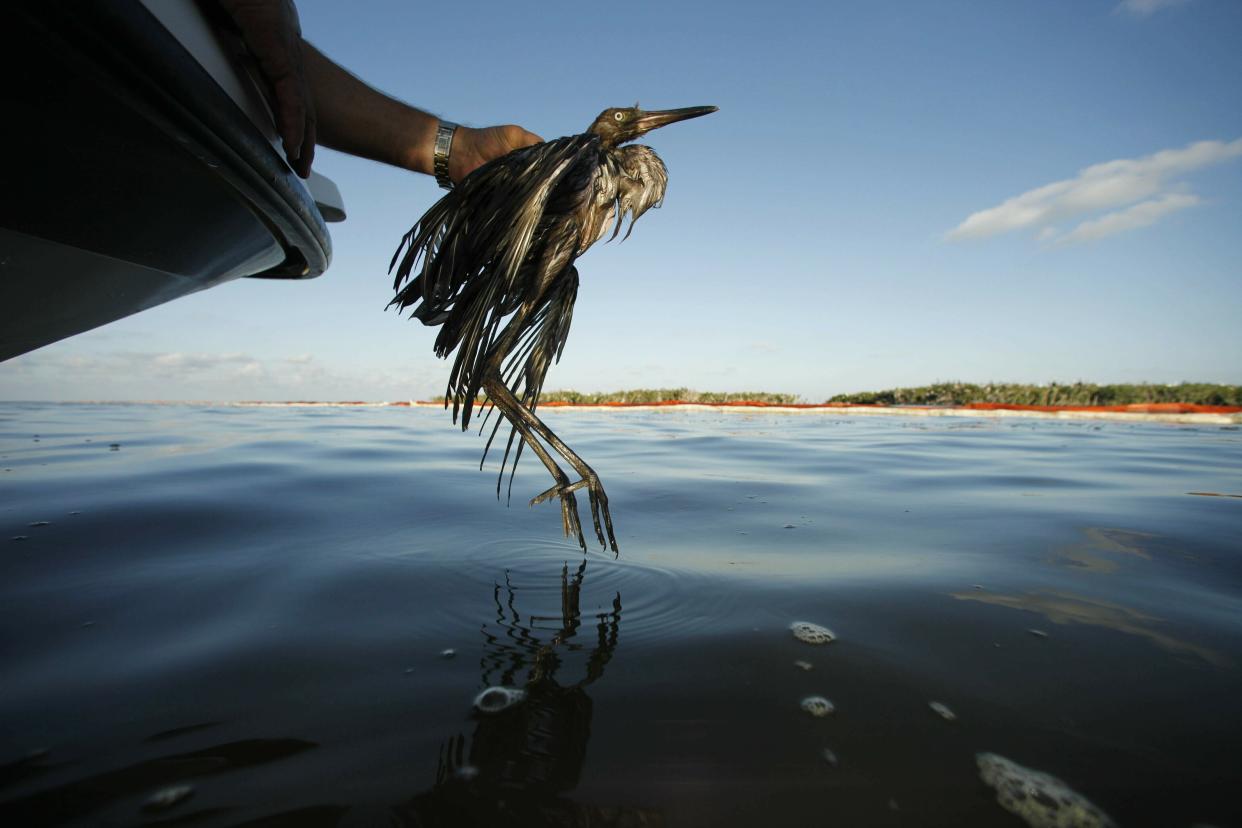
point(357, 119)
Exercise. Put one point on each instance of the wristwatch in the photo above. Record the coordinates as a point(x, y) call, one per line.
point(444, 146)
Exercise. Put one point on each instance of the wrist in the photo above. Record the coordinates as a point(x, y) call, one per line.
point(463, 153)
point(420, 133)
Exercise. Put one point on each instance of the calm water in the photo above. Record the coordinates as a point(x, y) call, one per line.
point(254, 602)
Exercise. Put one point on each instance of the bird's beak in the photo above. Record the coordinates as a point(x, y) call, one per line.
point(663, 117)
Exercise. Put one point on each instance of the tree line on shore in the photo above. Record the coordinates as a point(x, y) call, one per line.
point(647, 396)
point(1078, 393)
point(942, 393)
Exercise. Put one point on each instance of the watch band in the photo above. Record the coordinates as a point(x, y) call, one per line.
point(444, 146)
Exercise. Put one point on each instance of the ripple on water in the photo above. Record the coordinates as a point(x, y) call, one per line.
point(657, 604)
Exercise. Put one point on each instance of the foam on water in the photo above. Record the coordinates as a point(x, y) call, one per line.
point(818, 706)
point(1040, 799)
point(495, 700)
point(810, 633)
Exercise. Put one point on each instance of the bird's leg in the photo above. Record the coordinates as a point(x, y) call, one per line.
point(589, 480)
point(503, 399)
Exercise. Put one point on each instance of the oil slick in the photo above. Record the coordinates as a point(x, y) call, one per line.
point(1061, 607)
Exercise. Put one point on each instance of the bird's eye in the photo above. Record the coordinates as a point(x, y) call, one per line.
point(620, 116)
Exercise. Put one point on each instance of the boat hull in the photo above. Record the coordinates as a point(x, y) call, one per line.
point(130, 176)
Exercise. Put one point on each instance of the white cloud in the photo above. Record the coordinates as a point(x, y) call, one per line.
point(1101, 187)
point(1138, 215)
point(1146, 8)
point(133, 375)
point(179, 364)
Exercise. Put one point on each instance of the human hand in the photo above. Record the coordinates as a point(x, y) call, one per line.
point(273, 35)
point(472, 148)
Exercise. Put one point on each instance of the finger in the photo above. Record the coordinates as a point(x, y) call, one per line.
point(309, 139)
point(517, 137)
point(290, 117)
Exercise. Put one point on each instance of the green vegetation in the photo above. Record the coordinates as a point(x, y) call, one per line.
point(1079, 393)
point(942, 393)
point(655, 395)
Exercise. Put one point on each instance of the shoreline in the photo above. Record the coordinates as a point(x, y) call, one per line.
point(1176, 413)
point(1156, 413)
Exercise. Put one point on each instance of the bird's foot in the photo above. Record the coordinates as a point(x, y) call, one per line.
point(569, 509)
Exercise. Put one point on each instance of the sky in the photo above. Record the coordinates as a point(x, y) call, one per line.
point(892, 193)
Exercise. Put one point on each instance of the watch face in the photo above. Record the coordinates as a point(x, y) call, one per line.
point(440, 157)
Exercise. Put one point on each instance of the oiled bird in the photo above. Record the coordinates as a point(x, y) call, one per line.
point(492, 264)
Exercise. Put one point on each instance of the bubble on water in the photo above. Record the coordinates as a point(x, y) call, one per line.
point(498, 699)
point(818, 706)
point(166, 798)
point(1040, 799)
point(448, 653)
point(942, 710)
point(803, 665)
point(812, 633)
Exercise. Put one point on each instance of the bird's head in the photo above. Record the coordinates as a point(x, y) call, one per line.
point(616, 126)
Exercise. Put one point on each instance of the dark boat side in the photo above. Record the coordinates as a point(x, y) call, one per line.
point(130, 176)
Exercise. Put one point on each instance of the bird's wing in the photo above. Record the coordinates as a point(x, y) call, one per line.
point(475, 252)
point(477, 236)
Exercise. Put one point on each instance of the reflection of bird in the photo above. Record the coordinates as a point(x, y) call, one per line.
point(521, 765)
point(493, 265)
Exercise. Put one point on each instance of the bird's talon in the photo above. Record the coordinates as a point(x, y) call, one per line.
point(548, 495)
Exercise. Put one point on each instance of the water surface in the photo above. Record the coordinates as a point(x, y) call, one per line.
point(250, 606)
